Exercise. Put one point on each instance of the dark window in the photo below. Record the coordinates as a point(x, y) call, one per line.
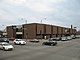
point(18, 29)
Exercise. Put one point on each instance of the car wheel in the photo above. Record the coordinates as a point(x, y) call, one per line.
point(54, 44)
point(19, 43)
point(14, 43)
point(3, 48)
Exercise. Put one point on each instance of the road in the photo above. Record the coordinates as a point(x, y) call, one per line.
point(65, 50)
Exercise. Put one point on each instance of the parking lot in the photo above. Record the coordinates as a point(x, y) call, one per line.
point(64, 50)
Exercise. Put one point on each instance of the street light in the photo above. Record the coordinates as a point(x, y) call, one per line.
point(42, 20)
point(24, 19)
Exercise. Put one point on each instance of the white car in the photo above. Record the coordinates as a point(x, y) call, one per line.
point(6, 46)
point(19, 41)
point(73, 36)
point(69, 37)
point(64, 39)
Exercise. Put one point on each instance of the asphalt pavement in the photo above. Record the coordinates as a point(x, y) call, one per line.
point(64, 50)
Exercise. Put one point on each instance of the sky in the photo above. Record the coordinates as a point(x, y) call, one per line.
point(56, 12)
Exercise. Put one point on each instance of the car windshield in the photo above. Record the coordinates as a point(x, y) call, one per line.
point(50, 40)
point(18, 40)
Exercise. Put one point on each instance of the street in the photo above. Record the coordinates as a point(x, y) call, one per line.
point(64, 50)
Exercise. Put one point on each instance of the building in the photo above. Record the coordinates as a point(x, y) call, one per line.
point(39, 31)
point(14, 31)
point(4, 34)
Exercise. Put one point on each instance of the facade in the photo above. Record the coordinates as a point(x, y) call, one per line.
point(36, 30)
point(39, 31)
point(14, 31)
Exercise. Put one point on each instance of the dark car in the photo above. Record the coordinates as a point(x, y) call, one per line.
point(4, 40)
point(50, 42)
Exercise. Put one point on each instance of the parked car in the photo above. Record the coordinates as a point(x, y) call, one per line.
point(34, 40)
point(69, 37)
point(64, 39)
point(19, 41)
point(73, 36)
point(77, 36)
point(50, 42)
point(56, 39)
point(6, 46)
point(4, 40)
point(12, 39)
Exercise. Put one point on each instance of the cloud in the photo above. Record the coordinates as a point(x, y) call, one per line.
point(58, 12)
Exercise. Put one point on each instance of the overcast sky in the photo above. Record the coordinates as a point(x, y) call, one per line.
point(56, 12)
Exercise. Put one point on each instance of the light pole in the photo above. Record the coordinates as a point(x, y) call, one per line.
point(24, 19)
point(42, 20)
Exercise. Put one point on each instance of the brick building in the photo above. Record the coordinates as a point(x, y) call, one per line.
point(36, 30)
point(14, 31)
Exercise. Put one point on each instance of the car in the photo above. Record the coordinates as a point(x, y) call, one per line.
point(69, 37)
point(50, 42)
point(56, 39)
point(34, 40)
point(12, 39)
point(77, 36)
point(64, 39)
point(6, 46)
point(73, 36)
point(19, 42)
point(4, 40)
